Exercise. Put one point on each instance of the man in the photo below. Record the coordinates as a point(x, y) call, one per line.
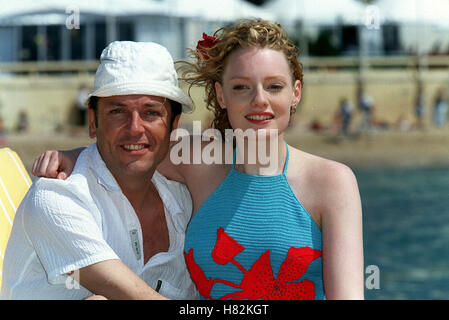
point(115, 227)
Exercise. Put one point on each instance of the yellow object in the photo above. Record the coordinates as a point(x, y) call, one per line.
point(14, 184)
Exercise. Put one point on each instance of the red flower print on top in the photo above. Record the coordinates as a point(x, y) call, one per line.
point(199, 278)
point(258, 282)
point(226, 248)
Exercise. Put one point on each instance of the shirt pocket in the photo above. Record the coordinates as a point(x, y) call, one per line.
point(175, 293)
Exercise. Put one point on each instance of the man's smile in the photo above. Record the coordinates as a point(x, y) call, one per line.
point(134, 147)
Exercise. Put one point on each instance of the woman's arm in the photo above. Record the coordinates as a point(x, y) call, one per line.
point(343, 273)
point(60, 164)
point(56, 164)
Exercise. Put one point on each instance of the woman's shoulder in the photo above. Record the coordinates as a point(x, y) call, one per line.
point(323, 182)
point(320, 169)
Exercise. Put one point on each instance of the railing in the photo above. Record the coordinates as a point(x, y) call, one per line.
point(49, 67)
point(384, 62)
point(312, 63)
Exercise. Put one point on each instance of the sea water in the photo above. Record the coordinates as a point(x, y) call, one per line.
point(406, 231)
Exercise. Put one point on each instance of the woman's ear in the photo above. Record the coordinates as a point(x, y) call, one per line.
point(219, 94)
point(296, 92)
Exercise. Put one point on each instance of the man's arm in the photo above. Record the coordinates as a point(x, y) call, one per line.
point(67, 238)
point(113, 280)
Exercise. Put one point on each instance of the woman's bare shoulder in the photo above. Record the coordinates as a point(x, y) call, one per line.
point(325, 183)
point(324, 172)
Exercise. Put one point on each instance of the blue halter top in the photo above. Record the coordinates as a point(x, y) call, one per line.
point(252, 239)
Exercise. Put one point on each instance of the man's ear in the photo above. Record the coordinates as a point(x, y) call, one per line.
point(92, 123)
point(176, 122)
point(219, 95)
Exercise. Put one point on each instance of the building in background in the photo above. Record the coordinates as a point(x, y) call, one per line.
point(47, 30)
point(76, 31)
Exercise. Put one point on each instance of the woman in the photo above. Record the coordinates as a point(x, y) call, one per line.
point(292, 233)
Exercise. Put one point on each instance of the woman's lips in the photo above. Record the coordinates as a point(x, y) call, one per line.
point(259, 117)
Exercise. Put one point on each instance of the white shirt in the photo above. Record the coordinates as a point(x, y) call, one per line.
point(64, 225)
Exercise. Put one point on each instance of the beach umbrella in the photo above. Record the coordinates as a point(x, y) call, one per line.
point(414, 12)
point(224, 10)
point(318, 12)
point(45, 12)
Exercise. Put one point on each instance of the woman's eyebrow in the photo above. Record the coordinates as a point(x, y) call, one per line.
point(240, 78)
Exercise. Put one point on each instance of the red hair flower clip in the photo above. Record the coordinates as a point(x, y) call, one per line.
point(207, 42)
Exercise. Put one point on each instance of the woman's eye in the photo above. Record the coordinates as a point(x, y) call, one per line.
point(239, 87)
point(276, 87)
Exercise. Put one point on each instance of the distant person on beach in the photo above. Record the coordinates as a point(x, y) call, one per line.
point(346, 110)
point(440, 109)
point(22, 122)
point(116, 226)
point(365, 106)
point(293, 232)
point(420, 106)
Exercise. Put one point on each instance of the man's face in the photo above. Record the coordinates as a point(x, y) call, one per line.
point(133, 133)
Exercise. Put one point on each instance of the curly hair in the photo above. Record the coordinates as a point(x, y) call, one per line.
point(209, 64)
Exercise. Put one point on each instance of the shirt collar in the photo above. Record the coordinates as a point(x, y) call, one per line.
point(97, 165)
point(106, 179)
point(168, 198)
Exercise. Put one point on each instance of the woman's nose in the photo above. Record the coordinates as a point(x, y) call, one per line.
point(260, 100)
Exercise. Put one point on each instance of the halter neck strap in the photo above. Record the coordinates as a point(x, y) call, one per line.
point(286, 159)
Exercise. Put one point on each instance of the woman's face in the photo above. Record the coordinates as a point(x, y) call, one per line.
point(257, 89)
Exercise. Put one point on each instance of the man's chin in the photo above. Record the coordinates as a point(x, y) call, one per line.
point(133, 169)
point(138, 169)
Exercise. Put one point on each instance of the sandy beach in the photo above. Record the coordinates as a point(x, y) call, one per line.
point(411, 149)
point(395, 149)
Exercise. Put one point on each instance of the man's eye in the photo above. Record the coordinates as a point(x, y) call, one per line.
point(153, 113)
point(115, 111)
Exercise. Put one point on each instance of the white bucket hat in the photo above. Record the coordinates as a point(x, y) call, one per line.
point(128, 67)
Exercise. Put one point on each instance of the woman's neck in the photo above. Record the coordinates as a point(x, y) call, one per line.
point(261, 159)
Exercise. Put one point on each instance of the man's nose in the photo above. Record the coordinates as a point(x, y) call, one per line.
point(136, 124)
